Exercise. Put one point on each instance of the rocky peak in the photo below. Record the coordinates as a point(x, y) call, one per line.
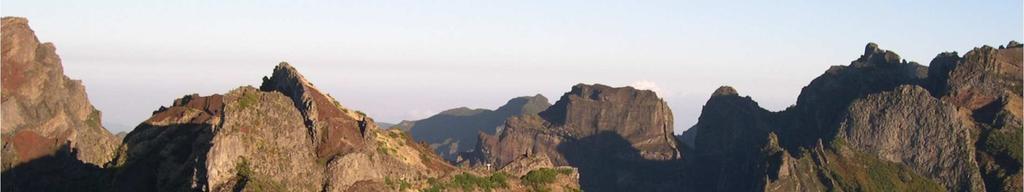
point(729, 139)
point(821, 102)
point(877, 56)
point(983, 75)
point(987, 84)
point(724, 91)
point(43, 108)
point(335, 129)
point(1013, 44)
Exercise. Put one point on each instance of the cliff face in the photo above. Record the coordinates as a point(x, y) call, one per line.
point(48, 126)
point(454, 131)
point(910, 127)
point(731, 133)
point(619, 138)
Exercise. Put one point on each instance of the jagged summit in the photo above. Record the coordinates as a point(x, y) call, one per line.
point(283, 73)
point(335, 128)
point(1014, 44)
point(877, 56)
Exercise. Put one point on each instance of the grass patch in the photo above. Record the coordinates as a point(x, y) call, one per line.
point(247, 177)
point(247, 99)
point(538, 179)
point(386, 150)
point(397, 184)
point(94, 119)
point(470, 182)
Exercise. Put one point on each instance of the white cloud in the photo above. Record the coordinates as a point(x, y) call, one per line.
point(649, 85)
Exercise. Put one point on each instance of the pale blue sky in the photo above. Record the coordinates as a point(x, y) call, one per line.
point(400, 60)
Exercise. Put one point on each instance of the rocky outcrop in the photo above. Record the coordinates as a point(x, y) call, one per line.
point(909, 126)
point(619, 138)
point(245, 139)
point(454, 131)
point(820, 104)
point(986, 84)
point(51, 133)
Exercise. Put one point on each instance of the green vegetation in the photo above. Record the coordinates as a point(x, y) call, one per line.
point(246, 175)
point(435, 185)
point(386, 150)
point(862, 172)
point(247, 99)
point(242, 169)
point(538, 179)
point(470, 182)
point(571, 189)
point(399, 184)
point(94, 119)
point(1007, 143)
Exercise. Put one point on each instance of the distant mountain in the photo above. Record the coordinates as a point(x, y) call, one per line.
point(384, 125)
point(454, 131)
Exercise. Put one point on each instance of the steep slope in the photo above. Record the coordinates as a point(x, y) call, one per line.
point(619, 138)
point(49, 126)
point(454, 131)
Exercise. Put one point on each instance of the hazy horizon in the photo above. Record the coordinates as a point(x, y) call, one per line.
point(408, 60)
